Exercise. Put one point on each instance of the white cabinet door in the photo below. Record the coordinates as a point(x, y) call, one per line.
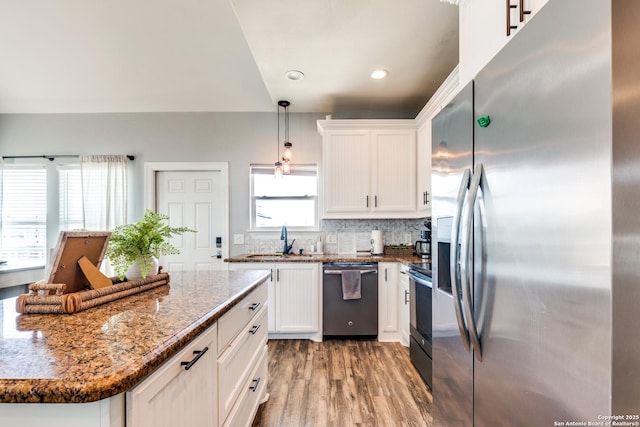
point(388, 301)
point(403, 305)
point(297, 297)
point(394, 177)
point(369, 168)
point(174, 395)
point(483, 31)
point(423, 172)
point(294, 301)
point(347, 159)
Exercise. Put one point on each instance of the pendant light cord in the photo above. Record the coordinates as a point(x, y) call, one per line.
point(286, 123)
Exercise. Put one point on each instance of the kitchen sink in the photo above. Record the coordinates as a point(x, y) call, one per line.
point(277, 256)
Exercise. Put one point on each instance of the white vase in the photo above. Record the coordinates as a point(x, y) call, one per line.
point(133, 272)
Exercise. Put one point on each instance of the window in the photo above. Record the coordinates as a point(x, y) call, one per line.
point(28, 193)
point(290, 200)
point(40, 200)
point(24, 212)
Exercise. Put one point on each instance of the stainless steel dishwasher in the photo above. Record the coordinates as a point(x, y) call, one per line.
point(350, 317)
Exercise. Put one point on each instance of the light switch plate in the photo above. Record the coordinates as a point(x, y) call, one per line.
point(407, 238)
point(238, 239)
point(331, 238)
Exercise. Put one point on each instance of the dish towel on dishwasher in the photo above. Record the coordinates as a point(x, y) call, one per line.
point(351, 288)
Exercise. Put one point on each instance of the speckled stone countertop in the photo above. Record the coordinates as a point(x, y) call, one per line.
point(405, 259)
point(106, 350)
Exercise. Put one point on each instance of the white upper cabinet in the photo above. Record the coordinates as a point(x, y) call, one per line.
point(484, 25)
point(369, 168)
point(347, 171)
point(394, 181)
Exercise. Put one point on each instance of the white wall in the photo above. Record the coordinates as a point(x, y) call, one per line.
point(237, 138)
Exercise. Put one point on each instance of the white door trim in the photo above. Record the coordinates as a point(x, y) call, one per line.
point(150, 190)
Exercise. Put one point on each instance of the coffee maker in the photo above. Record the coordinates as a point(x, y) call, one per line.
point(423, 246)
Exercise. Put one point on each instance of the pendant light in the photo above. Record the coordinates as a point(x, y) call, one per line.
point(278, 169)
point(284, 167)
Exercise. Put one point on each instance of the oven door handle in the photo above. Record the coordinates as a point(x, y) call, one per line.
point(420, 280)
point(465, 252)
point(455, 260)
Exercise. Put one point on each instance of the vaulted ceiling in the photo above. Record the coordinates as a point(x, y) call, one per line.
point(86, 56)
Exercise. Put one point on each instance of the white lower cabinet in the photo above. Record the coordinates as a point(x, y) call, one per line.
point(238, 362)
point(403, 304)
point(297, 297)
point(294, 296)
point(182, 391)
point(253, 392)
point(102, 413)
point(388, 301)
point(242, 333)
point(218, 379)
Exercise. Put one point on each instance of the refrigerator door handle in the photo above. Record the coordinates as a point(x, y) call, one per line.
point(465, 252)
point(455, 266)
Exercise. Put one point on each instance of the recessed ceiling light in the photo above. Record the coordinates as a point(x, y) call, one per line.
point(379, 74)
point(294, 75)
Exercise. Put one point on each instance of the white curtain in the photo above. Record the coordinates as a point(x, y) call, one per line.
point(104, 191)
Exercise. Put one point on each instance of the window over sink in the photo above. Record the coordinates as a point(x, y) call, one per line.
point(290, 200)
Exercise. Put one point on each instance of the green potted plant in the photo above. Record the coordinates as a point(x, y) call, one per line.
point(141, 244)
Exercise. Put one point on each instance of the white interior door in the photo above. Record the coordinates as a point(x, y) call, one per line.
point(196, 199)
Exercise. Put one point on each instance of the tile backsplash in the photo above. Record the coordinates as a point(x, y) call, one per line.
point(335, 231)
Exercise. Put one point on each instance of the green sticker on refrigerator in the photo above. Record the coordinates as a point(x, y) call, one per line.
point(484, 121)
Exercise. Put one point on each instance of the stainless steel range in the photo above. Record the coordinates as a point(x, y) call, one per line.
point(420, 344)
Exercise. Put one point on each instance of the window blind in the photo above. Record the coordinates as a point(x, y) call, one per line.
point(24, 212)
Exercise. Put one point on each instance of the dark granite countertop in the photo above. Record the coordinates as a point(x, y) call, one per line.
point(405, 259)
point(106, 350)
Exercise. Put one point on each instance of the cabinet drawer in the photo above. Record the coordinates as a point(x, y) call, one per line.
point(237, 362)
point(239, 316)
point(254, 391)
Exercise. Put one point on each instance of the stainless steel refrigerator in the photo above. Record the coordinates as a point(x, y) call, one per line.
point(536, 182)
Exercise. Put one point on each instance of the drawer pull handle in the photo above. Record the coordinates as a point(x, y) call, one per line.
point(198, 354)
point(254, 306)
point(254, 329)
point(254, 384)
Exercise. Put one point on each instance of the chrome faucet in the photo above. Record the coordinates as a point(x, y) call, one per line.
point(287, 248)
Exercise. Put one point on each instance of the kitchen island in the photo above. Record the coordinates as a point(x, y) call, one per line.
point(93, 357)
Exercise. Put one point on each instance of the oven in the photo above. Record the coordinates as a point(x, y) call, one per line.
point(420, 342)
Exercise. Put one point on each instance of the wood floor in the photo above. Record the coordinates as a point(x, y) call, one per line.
point(343, 383)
